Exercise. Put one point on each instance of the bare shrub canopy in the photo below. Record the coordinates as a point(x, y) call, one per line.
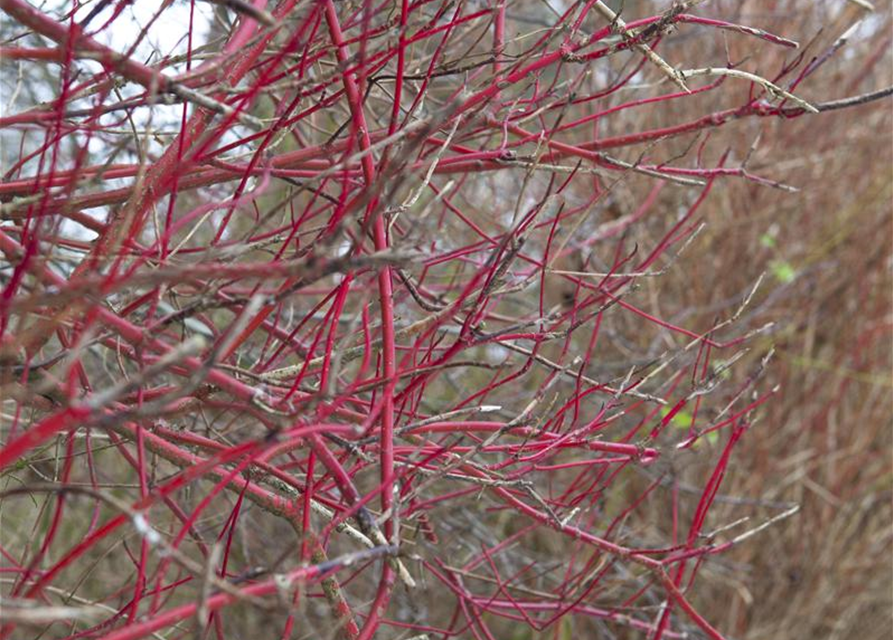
point(356, 319)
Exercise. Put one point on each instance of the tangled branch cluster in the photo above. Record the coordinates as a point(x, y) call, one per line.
point(334, 318)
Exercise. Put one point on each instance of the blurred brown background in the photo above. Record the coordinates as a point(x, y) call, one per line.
point(825, 442)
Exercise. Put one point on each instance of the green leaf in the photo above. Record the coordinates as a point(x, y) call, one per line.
point(682, 419)
point(783, 271)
